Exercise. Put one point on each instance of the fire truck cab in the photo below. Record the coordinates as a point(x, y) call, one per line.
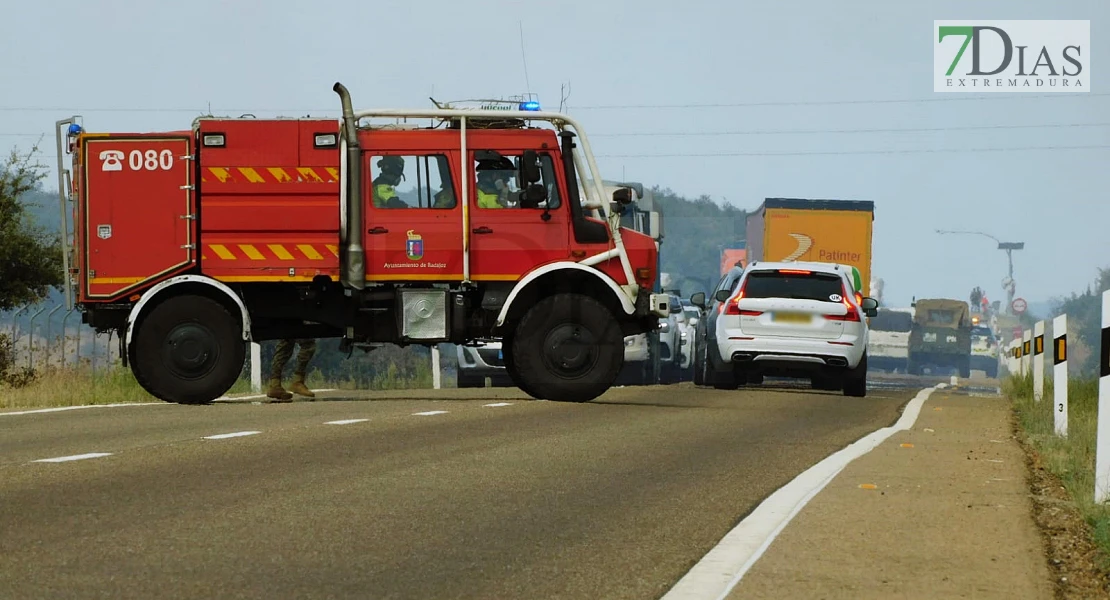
point(409, 226)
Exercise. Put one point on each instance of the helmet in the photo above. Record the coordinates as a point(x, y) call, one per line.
point(394, 165)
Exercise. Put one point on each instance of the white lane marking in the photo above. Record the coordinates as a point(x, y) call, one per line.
point(718, 572)
point(63, 408)
point(346, 421)
point(499, 404)
point(224, 436)
point(74, 457)
point(429, 413)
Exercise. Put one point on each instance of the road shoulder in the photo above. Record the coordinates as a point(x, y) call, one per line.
point(941, 510)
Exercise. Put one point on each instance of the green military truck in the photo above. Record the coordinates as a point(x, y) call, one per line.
point(940, 336)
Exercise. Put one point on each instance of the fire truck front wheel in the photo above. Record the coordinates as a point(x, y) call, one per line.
point(188, 350)
point(570, 346)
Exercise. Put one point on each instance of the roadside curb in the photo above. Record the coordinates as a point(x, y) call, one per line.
point(722, 568)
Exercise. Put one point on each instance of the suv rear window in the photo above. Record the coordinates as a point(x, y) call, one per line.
point(795, 285)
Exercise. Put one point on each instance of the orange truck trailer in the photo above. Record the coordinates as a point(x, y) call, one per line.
point(190, 244)
point(832, 231)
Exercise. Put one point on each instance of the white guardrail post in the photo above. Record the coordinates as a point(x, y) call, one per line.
point(1102, 446)
point(1038, 361)
point(1060, 374)
point(256, 367)
point(436, 376)
point(1026, 351)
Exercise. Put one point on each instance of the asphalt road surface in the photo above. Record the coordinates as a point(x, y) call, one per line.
point(448, 494)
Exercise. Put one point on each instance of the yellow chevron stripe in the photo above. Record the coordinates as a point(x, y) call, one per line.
point(251, 252)
point(251, 175)
point(222, 252)
point(279, 174)
point(221, 173)
point(333, 249)
point(334, 173)
point(309, 251)
point(308, 173)
point(280, 250)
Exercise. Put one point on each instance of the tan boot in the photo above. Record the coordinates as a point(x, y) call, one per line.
point(277, 392)
point(298, 387)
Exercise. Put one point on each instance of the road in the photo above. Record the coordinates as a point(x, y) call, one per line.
point(483, 494)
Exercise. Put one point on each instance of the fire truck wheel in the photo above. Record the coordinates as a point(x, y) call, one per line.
point(514, 375)
point(188, 350)
point(570, 346)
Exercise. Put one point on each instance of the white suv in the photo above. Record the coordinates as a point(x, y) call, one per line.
point(791, 319)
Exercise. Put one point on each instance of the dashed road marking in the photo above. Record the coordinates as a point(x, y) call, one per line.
point(429, 413)
point(74, 457)
point(499, 404)
point(346, 421)
point(224, 436)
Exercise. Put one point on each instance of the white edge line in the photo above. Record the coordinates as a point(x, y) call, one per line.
point(224, 436)
point(74, 457)
point(429, 413)
point(63, 408)
point(346, 421)
point(722, 568)
point(499, 404)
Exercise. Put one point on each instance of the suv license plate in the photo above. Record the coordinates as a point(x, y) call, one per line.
point(789, 317)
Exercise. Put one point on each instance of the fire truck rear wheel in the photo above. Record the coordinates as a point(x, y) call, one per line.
point(188, 350)
point(570, 346)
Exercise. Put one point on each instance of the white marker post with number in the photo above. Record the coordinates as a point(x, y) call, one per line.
point(1102, 446)
point(1038, 361)
point(1060, 374)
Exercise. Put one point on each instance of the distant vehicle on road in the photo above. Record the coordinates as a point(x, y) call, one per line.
point(984, 350)
point(941, 336)
point(791, 319)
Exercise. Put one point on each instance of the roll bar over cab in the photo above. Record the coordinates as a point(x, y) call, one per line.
point(189, 244)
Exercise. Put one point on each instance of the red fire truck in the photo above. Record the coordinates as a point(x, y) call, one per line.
point(190, 244)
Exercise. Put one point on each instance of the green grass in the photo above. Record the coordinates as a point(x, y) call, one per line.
point(1072, 459)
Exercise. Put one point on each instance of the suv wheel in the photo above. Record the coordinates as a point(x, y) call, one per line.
point(855, 381)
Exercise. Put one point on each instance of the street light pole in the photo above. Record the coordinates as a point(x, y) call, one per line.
point(1009, 247)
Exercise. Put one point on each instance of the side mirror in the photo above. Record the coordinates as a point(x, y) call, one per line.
point(869, 304)
point(530, 167)
point(655, 225)
point(698, 300)
point(623, 196)
point(722, 295)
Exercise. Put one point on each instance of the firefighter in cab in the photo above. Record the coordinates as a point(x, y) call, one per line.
point(493, 184)
point(385, 185)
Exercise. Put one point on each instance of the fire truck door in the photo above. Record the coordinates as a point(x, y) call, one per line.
point(508, 240)
point(138, 223)
point(413, 218)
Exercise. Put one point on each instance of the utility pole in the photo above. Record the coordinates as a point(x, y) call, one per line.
point(1008, 283)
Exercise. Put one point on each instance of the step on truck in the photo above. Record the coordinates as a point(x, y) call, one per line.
point(404, 226)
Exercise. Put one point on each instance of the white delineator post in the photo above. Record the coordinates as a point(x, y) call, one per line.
point(1026, 351)
point(1102, 446)
point(435, 367)
point(1060, 374)
point(256, 367)
point(1038, 361)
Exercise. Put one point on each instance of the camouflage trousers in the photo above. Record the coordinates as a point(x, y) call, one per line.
point(284, 352)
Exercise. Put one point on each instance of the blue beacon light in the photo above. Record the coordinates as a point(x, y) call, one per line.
point(74, 129)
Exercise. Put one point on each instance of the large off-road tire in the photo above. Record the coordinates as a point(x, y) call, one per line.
point(568, 345)
point(187, 350)
point(855, 380)
point(965, 368)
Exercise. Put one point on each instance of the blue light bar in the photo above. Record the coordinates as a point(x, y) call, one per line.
point(74, 129)
point(532, 105)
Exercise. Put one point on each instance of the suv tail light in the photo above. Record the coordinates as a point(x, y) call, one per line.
point(732, 306)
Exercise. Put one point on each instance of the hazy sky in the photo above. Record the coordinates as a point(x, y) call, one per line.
point(636, 68)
